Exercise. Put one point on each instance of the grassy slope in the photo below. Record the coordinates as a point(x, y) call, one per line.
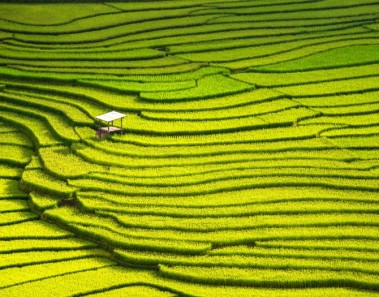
point(250, 159)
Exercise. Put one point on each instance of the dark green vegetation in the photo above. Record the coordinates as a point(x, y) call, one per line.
point(249, 164)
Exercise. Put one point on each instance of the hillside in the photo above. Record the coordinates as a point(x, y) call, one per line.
point(249, 160)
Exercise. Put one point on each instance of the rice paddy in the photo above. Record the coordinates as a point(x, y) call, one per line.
point(248, 165)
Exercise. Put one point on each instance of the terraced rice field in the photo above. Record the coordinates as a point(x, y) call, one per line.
point(248, 167)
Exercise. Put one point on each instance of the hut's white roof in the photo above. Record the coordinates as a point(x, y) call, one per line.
point(111, 116)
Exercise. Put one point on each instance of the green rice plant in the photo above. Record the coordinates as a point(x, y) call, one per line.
point(60, 162)
point(140, 243)
point(117, 277)
point(36, 128)
point(116, 100)
point(306, 14)
point(220, 114)
point(61, 126)
point(263, 135)
point(226, 199)
point(119, 147)
point(211, 224)
point(101, 21)
point(338, 57)
point(282, 260)
point(343, 132)
point(82, 282)
point(288, 49)
point(10, 218)
point(41, 202)
point(304, 50)
point(225, 175)
point(110, 33)
point(364, 120)
point(360, 245)
point(195, 242)
point(13, 72)
point(137, 290)
point(277, 21)
point(130, 86)
point(15, 155)
point(15, 138)
point(45, 244)
point(187, 165)
point(374, 26)
point(285, 166)
point(95, 97)
point(268, 79)
point(69, 66)
point(149, 38)
point(188, 71)
point(248, 237)
point(334, 254)
point(216, 161)
point(184, 40)
point(348, 100)
point(367, 154)
point(112, 70)
point(217, 104)
point(10, 171)
point(5, 36)
point(6, 129)
point(221, 85)
point(21, 275)
point(117, 18)
point(105, 55)
point(111, 233)
point(249, 8)
point(175, 210)
point(146, 6)
point(167, 32)
point(289, 116)
point(224, 212)
point(206, 36)
point(33, 230)
point(69, 112)
point(243, 41)
point(159, 151)
point(359, 141)
point(9, 189)
point(347, 86)
point(195, 74)
point(139, 125)
point(38, 180)
point(348, 110)
point(53, 95)
point(13, 206)
point(42, 14)
point(23, 259)
point(168, 174)
point(86, 134)
point(372, 163)
point(35, 163)
point(274, 278)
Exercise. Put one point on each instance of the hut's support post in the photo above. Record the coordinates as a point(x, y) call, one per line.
point(121, 126)
point(99, 129)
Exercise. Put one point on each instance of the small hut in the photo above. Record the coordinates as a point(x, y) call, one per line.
point(109, 118)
